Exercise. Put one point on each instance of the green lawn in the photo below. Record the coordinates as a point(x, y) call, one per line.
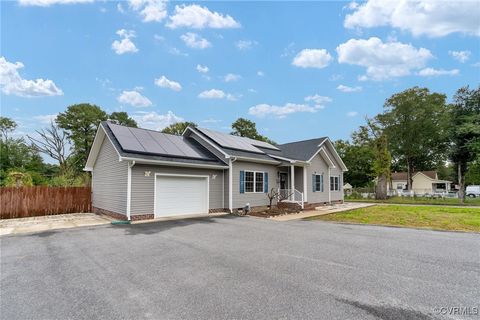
point(432, 217)
point(421, 200)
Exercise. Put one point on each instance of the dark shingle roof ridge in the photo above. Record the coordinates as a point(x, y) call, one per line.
point(306, 140)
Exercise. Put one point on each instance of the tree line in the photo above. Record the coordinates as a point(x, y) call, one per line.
point(417, 130)
point(67, 140)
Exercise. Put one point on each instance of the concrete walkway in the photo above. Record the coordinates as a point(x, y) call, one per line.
point(323, 210)
point(44, 223)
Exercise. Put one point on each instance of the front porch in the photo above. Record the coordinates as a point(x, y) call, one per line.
point(292, 184)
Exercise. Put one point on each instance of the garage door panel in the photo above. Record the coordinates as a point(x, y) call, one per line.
point(178, 195)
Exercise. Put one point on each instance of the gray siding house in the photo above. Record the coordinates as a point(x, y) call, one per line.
point(145, 174)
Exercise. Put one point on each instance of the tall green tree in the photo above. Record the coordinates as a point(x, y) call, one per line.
point(122, 118)
point(416, 122)
point(245, 128)
point(465, 133)
point(358, 157)
point(7, 125)
point(81, 122)
point(178, 128)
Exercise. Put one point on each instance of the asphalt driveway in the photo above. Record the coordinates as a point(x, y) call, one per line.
point(239, 268)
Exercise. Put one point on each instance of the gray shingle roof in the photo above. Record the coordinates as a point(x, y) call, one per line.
point(301, 150)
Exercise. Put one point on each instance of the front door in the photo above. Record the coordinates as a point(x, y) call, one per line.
point(283, 180)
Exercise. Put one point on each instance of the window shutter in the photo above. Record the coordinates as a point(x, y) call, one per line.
point(265, 182)
point(340, 184)
point(321, 183)
point(313, 183)
point(242, 181)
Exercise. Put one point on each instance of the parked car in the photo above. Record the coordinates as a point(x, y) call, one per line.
point(472, 191)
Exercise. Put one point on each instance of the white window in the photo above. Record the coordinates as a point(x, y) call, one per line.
point(253, 182)
point(318, 183)
point(334, 185)
point(399, 186)
point(258, 181)
point(249, 181)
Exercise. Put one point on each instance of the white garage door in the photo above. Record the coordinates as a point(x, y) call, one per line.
point(180, 195)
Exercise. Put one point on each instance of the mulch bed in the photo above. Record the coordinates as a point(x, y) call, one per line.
point(271, 213)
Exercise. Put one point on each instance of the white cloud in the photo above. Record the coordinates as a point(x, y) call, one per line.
point(231, 77)
point(217, 94)
point(312, 58)
point(134, 98)
point(382, 60)
point(318, 100)
point(202, 69)
point(212, 94)
point(352, 113)
point(210, 120)
point(461, 56)
point(197, 17)
point(163, 82)
point(46, 3)
point(153, 120)
point(195, 41)
point(12, 83)
point(125, 45)
point(420, 17)
point(344, 88)
point(150, 10)
point(243, 45)
point(262, 110)
point(431, 72)
point(260, 73)
point(46, 119)
point(120, 8)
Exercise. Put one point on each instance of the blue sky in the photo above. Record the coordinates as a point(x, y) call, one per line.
point(298, 69)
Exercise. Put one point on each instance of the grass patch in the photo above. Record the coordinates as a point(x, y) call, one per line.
point(432, 217)
point(421, 200)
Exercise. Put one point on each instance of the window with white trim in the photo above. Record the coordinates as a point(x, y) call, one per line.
point(318, 183)
point(249, 181)
point(258, 181)
point(253, 182)
point(334, 183)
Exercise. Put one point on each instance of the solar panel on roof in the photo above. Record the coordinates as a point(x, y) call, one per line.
point(148, 141)
point(149, 144)
point(235, 142)
point(126, 139)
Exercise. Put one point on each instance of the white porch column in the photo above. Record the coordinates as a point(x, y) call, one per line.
point(305, 191)
point(328, 186)
point(292, 180)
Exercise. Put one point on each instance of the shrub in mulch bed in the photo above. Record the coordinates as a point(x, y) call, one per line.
point(273, 212)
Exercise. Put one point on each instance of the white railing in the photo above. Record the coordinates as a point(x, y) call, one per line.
point(291, 195)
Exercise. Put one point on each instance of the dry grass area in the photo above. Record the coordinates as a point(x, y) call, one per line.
point(431, 217)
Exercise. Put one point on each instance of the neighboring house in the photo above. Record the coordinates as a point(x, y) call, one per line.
point(424, 182)
point(145, 174)
point(347, 188)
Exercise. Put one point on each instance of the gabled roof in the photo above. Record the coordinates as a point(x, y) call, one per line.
point(301, 150)
point(151, 147)
point(403, 176)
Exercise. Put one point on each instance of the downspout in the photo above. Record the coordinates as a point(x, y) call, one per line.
point(129, 188)
point(230, 183)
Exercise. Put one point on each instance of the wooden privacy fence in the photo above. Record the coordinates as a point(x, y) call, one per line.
point(43, 200)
